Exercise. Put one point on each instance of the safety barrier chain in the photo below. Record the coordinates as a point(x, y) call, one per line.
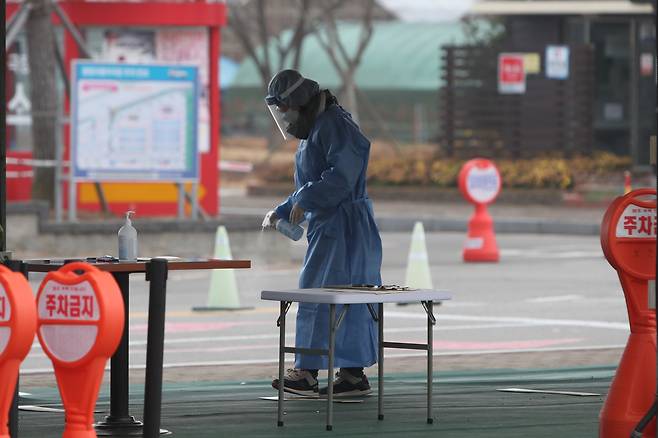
point(229, 166)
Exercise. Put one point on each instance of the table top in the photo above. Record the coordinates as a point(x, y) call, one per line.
point(173, 264)
point(354, 296)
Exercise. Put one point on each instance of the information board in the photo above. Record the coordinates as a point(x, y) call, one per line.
point(134, 122)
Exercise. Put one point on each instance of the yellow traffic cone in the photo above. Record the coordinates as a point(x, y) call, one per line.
point(418, 266)
point(223, 290)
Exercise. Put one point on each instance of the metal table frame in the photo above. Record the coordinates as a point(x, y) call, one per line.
point(286, 298)
point(119, 422)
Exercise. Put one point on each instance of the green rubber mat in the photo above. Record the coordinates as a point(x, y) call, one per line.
point(466, 404)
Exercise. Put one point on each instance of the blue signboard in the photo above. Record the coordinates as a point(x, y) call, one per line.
point(134, 122)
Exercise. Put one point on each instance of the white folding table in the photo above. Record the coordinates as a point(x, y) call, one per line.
point(345, 297)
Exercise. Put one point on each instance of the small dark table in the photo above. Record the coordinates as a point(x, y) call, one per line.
point(119, 422)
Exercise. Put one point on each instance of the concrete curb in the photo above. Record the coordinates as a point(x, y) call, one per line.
point(518, 226)
point(252, 221)
point(236, 223)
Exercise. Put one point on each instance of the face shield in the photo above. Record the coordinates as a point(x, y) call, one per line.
point(281, 123)
point(283, 119)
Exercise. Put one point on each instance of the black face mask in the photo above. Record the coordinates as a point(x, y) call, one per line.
point(307, 115)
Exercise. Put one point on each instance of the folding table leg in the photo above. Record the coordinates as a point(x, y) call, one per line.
point(380, 366)
point(282, 344)
point(430, 351)
point(330, 367)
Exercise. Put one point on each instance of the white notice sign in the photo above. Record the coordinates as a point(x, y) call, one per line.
point(483, 184)
point(557, 62)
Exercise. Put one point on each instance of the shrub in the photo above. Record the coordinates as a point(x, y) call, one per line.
point(421, 169)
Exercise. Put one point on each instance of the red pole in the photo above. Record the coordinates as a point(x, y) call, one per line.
point(71, 52)
point(209, 169)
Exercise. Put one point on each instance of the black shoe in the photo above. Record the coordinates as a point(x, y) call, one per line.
point(347, 385)
point(300, 382)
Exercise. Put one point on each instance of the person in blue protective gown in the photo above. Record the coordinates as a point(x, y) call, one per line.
point(344, 246)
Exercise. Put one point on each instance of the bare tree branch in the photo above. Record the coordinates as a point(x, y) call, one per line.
point(366, 33)
point(249, 22)
point(241, 30)
point(345, 64)
point(264, 37)
point(300, 32)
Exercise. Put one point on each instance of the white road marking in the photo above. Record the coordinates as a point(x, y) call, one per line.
point(274, 360)
point(291, 335)
point(530, 321)
point(542, 254)
point(452, 304)
point(555, 299)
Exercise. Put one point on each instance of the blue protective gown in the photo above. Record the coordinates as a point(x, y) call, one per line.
point(344, 246)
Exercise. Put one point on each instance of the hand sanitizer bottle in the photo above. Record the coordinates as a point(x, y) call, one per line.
point(128, 239)
point(289, 230)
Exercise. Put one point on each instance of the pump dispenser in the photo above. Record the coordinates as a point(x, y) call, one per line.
point(128, 239)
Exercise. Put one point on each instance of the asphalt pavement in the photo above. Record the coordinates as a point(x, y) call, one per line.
point(552, 301)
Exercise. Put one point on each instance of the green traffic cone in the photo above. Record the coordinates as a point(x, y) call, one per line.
point(418, 266)
point(223, 290)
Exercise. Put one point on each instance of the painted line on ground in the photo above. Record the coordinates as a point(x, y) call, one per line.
point(387, 356)
point(210, 314)
point(555, 299)
point(539, 254)
point(291, 335)
point(510, 319)
point(439, 345)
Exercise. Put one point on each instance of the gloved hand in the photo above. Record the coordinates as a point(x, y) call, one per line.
point(270, 219)
point(296, 214)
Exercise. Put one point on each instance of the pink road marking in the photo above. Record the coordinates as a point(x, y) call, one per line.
point(183, 327)
point(506, 345)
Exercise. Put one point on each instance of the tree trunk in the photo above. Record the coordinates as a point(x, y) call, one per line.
point(349, 96)
point(43, 94)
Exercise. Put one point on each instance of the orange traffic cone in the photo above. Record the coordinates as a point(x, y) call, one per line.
point(628, 240)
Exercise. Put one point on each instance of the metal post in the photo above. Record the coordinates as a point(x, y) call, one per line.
point(156, 271)
point(587, 30)
point(58, 167)
point(13, 412)
point(119, 361)
point(430, 351)
point(72, 193)
point(380, 367)
point(634, 94)
point(195, 200)
point(282, 357)
point(68, 24)
point(16, 24)
point(119, 419)
point(181, 200)
point(330, 367)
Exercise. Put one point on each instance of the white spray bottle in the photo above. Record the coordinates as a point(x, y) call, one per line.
point(289, 230)
point(128, 239)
